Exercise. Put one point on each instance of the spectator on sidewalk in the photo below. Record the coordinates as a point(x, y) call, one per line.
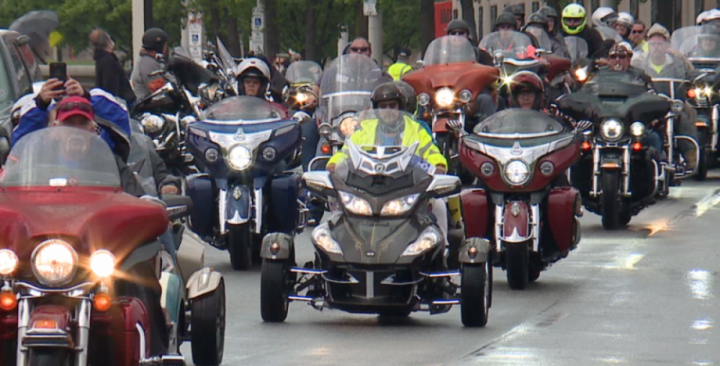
point(109, 73)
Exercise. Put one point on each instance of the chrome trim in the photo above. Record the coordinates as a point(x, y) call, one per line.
point(350, 281)
point(626, 172)
point(535, 227)
point(499, 221)
point(258, 210)
point(251, 140)
point(715, 117)
point(82, 344)
point(697, 147)
point(377, 163)
point(300, 298)
point(346, 93)
point(517, 136)
point(443, 180)
point(446, 302)
point(308, 271)
point(370, 284)
point(222, 211)
point(440, 274)
point(240, 122)
point(671, 140)
point(237, 220)
point(596, 170)
point(69, 291)
point(390, 281)
point(318, 178)
point(23, 322)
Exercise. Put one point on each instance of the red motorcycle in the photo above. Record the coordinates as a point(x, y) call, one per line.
point(523, 207)
point(73, 250)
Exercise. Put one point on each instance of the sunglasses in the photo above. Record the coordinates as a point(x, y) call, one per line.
point(620, 57)
point(457, 33)
point(75, 105)
point(573, 20)
point(359, 49)
point(505, 26)
point(391, 105)
point(638, 31)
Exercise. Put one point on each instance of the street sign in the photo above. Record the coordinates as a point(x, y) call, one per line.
point(195, 34)
point(370, 8)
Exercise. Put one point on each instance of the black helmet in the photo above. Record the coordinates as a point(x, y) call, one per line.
point(409, 96)
point(548, 12)
point(458, 24)
point(155, 39)
point(404, 52)
point(386, 92)
point(537, 19)
point(518, 10)
point(506, 19)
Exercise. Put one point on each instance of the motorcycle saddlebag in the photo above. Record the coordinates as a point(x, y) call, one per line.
point(126, 313)
point(475, 212)
point(201, 188)
point(562, 206)
point(284, 203)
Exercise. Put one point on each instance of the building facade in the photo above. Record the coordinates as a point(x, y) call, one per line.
point(671, 13)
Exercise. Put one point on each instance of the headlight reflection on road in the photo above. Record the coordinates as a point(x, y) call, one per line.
point(700, 283)
point(702, 324)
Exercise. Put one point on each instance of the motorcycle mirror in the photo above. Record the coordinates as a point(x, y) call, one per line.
point(22, 40)
point(302, 117)
point(444, 185)
point(498, 58)
point(177, 206)
point(420, 63)
point(319, 182)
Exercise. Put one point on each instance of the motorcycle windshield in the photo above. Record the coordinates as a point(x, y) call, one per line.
point(701, 46)
point(242, 108)
point(577, 47)
point(448, 50)
point(609, 84)
point(228, 62)
point(508, 43)
point(661, 61)
point(61, 157)
point(348, 83)
point(608, 33)
point(303, 72)
point(541, 35)
point(518, 124)
point(189, 73)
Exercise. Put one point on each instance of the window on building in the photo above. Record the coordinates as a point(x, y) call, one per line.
point(455, 14)
point(535, 6)
point(481, 22)
point(493, 16)
point(594, 4)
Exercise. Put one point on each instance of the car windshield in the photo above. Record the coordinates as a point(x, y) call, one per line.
point(347, 84)
point(506, 42)
point(303, 72)
point(518, 123)
point(241, 108)
point(577, 47)
point(61, 157)
point(449, 49)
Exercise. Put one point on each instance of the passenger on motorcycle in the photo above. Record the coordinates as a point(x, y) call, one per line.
point(708, 42)
point(624, 24)
point(574, 23)
point(552, 24)
point(390, 128)
point(152, 57)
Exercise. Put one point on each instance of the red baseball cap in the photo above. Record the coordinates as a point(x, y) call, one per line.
point(74, 106)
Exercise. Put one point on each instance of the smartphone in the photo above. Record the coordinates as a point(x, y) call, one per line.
point(58, 70)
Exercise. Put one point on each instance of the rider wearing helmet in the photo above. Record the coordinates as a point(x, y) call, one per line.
point(708, 42)
point(604, 16)
point(154, 47)
point(574, 23)
point(253, 77)
point(624, 24)
point(459, 27)
point(527, 91)
point(551, 16)
point(537, 22)
point(518, 11)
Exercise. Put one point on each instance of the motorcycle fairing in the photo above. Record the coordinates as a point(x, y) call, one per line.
point(284, 194)
point(458, 76)
point(97, 218)
point(585, 106)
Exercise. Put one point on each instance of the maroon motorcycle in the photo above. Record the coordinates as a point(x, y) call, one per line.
point(524, 204)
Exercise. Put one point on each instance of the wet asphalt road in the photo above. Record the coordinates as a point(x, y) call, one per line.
point(648, 295)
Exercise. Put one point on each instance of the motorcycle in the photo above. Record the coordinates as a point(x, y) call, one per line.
point(74, 247)
point(165, 113)
point(702, 93)
point(381, 252)
point(447, 86)
point(220, 63)
point(347, 85)
point(518, 155)
point(618, 175)
point(302, 76)
point(244, 148)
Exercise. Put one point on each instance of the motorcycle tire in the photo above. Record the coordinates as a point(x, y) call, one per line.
point(475, 290)
point(611, 206)
point(274, 292)
point(48, 357)
point(517, 265)
point(703, 164)
point(208, 328)
point(240, 246)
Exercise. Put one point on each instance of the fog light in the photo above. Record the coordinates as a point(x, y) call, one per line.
point(211, 155)
point(102, 301)
point(586, 146)
point(275, 248)
point(269, 153)
point(8, 300)
point(487, 168)
point(472, 252)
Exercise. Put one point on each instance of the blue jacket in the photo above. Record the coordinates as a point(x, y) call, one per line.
point(105, 106)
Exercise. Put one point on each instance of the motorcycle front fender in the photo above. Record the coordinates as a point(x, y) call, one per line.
point(482, 250)
point(203, 282)
point(238, 203)
point(172, 294)
point(285, 246)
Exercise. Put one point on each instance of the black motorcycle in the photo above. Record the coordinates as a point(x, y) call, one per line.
point(381, 252)
point(618, 174)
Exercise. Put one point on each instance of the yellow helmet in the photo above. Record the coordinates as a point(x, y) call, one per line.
point(574, 11)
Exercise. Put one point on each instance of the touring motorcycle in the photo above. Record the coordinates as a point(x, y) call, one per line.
point(73, 244)
point(381, 252)
point(303, 77)
point(447, 86)
point(244, 148)
point(532, 221)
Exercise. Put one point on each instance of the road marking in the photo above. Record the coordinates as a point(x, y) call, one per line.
point(707, 203)
point(627, 262)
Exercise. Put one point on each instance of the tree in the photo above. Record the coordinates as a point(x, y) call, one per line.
point(427, 19)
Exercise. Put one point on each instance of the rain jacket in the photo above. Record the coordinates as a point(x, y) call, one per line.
point(367, 134)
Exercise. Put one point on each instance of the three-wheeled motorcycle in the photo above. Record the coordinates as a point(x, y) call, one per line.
point(245, 148)
point(76, 256)
point(521, 158)
point(382, 251)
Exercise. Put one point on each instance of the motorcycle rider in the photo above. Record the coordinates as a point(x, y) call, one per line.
point(392, 127)
point(624, 24)
point(152, 57)
point(708, 42)
point(574, 23)
point(536, 25)
point(660, 61)
point(253, 78)
point(518, 11)
point(401, 67)
point(527, 91)
point(552, 25)
point(505, 28)
point(460, 28)
point(604, 16)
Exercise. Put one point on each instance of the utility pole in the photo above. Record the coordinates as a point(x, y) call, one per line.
point(148, 16)
point(138, 28)
point(375, 29)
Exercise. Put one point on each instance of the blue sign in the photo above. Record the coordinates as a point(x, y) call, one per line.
point(258, 22)
point(195, 38)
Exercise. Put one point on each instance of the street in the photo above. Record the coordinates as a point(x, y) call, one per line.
point(647, 295)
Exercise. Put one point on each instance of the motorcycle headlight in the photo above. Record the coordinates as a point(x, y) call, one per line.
point(355, 204)
point(465, 96)
point(325, 130)
point(322, 238)
point(8, 262)
point(301, 97)
point(444, 97)
point(428, 239)
point(102, 263)
point(677, 106)
point(581, 74)
point(54, 262)
point(348, 126)
point(517, 172)
point(239, 158)
point(423, 99)
point(152, 123)
point(399, 206)
point(637, 129)
point(611, 129)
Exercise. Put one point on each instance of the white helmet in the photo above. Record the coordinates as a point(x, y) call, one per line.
point(253, 63)
point(707, 16)
point(598, 17)
point(625, 19)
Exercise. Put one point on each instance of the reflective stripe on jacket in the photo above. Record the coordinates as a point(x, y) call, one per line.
point(399, 69)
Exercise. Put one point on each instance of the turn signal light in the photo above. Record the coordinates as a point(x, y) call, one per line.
point(325, 149)
point(586, 146)
point(637, 146)
point(45, 324)
point(691, 93)
point(8, 301)
point(102, 302)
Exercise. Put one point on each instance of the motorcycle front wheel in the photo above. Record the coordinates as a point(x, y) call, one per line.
point(240, 246)
point(613, 217)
